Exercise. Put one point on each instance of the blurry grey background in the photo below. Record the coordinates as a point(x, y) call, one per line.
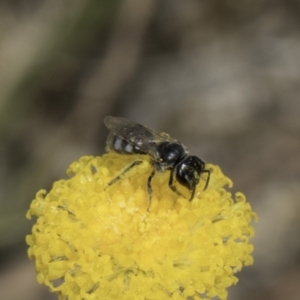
point(220, 76)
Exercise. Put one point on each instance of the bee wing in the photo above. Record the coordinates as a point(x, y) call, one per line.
point(136, 134)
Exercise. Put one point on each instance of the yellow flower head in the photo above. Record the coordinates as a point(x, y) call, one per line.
point(94, 241)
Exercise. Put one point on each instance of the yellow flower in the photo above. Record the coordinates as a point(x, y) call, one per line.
point(91, 241)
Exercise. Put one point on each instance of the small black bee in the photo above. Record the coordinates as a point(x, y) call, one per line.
point(127, 137)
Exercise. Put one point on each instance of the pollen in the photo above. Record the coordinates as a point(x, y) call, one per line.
point(94, 241)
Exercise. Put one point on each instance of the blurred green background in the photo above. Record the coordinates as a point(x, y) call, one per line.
point(220, 76)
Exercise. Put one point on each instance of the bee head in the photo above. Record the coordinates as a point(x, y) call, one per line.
point(189, 170)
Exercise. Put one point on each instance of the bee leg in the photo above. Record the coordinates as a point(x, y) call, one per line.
point(207, 179)
point(171, 186)
point(192, 193)
point(206, 184)
point(149, 187)
point(132, 165)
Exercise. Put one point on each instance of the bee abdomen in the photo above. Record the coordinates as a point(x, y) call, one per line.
point(119, 145)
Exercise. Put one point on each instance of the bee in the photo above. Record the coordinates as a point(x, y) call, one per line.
point(128, 137)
